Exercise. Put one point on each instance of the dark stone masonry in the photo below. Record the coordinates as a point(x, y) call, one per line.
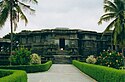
point(64, 44)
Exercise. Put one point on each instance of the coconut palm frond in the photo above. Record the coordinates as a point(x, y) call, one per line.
point(33, 1)
point(106, 17)
point(111, 4)
point(1, 3)
point(1, 6)
point(119, 3)
point(27, 8)
point(4, 15)
point(22, 15)
point(105, 1)
point(108, 8)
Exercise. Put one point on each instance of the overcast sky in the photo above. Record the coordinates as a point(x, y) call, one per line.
point(73, 14)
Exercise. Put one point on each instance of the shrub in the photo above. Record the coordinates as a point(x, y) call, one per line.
point(91, 59)
point(20, 57)
point(110, 59)
point(3, 73)
point(13, 76)
point(101, 73)
point(30, 68)
point(35, 59)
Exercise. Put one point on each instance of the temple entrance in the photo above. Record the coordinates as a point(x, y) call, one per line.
point(62, 43)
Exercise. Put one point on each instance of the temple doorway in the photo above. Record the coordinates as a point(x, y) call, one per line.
point(62, 43)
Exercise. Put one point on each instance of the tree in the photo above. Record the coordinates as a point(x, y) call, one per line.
point(13, 9)
point(21, 57)
point(115, 11)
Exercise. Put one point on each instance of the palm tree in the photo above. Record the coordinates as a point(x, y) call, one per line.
point(13, 9)
point(115, 11)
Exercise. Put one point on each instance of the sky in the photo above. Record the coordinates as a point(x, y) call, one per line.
point(73, 14)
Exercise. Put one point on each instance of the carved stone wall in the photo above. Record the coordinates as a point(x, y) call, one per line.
point(76, 42)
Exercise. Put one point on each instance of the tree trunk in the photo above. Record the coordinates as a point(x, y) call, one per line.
point(11, 26)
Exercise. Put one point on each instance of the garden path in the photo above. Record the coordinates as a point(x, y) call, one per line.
point(60, 73)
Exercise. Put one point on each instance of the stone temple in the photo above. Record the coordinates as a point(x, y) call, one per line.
point(63, 44)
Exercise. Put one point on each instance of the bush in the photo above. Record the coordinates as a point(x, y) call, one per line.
point(101, 73)
point(30, 68)
point(12, 76)
point(20, 57)
point(4, 73)
point(91, 59)
point(35, 59)
point(110, 59)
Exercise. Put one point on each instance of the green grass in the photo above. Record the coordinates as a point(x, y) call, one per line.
point(101, 73)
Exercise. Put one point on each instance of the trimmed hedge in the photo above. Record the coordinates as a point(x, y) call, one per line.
point(101, 73)
point(4, 62)
point(13, 76)
point(30, 68)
